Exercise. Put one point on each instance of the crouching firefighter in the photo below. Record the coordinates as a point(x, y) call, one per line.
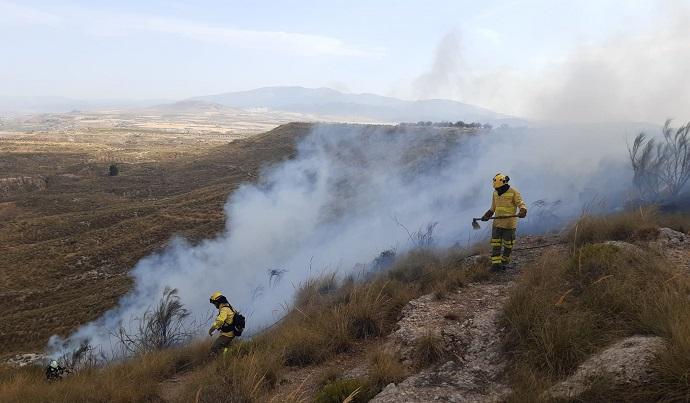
point(229, 322)
point(506, 200)
point(54, 372)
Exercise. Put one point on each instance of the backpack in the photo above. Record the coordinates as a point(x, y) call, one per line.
point(238, 322)
point(237, 325)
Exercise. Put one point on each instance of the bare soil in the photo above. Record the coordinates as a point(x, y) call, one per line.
point(70, 233)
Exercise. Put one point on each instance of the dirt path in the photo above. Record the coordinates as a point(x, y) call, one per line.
point(169, 390)
point(467, 323)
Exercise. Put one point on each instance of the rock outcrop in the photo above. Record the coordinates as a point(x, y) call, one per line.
point(624, 363)
point(669, 236)
point(467, 322)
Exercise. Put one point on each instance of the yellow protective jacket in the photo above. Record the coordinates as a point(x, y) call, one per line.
point(225, 315)
point(507, 204)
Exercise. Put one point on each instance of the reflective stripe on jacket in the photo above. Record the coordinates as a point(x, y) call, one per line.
point(225, 315)
point(507, 204)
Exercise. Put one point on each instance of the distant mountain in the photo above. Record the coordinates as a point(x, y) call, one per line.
point(319, 103)
point(329, 102)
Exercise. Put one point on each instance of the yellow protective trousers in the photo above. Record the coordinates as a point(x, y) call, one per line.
point(502, 240)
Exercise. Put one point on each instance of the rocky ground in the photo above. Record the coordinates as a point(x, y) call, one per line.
point(467, 322)
point(473, 370)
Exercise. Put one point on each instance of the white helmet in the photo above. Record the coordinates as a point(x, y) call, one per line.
point(53, 364)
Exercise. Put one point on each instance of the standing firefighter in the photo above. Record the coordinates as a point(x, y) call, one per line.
point(506, 200)
point(229, 322)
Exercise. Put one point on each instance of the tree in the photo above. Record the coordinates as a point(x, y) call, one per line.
point(113, 170)
point(661, 169)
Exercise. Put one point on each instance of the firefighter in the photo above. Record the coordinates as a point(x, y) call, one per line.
point(54, 371)
point(505, 202)
point(223, 323)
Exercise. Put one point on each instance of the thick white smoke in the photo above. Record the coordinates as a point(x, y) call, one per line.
point(335, 205)
point(630, 76)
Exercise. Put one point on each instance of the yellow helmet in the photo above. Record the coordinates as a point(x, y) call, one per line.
point(216, 296)
point(500, 180)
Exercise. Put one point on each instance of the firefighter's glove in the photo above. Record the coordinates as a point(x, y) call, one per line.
point(522, 213)
point(487, 215)
point(210, 331)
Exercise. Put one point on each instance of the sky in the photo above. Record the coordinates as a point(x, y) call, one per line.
point(516, 57)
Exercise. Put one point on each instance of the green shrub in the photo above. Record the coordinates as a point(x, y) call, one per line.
point(338, 391)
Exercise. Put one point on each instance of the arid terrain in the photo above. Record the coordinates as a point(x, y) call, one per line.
point(70, 232)
point(212, 122)
point(595, 311)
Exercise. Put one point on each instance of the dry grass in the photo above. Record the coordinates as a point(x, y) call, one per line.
point(135, 380)
point(342, 390)
point(329, 317)
point(384, 368)
point(628, 226)
point(634, 225)
point(244, 378)
point(428, 350)
point(567, 306)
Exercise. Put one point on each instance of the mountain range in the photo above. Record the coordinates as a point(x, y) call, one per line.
point(323, 103)
point(329, 102)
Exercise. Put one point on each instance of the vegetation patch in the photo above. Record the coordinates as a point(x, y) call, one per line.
point(350, 390)
point(428, 350)
point(567, 306)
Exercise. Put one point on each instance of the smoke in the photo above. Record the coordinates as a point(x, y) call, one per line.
point(628, 77)
point(336, 204)
point(443, 79)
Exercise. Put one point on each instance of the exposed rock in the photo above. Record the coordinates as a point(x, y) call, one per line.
point(21, 360)
point(625, 362)
point(474, 366)
point(467, 321)
point(671, 236)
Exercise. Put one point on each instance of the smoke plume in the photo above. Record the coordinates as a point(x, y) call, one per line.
point(637, 77)
point(336, 204)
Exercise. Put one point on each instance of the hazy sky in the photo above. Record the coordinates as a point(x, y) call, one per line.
point(512, 56)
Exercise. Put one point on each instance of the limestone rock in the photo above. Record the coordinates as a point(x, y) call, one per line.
point(671, 236)
point(625, 362)
point(21, 360)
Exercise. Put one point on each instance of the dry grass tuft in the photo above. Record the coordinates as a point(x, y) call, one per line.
point(384, 368)
point(249, 377)
point(351, 390)
point(640, 224)
point(428, 350)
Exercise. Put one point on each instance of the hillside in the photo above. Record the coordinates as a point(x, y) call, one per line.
point(71, 233)
point(593, 311)
point(328, 102)
point(596, 313)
